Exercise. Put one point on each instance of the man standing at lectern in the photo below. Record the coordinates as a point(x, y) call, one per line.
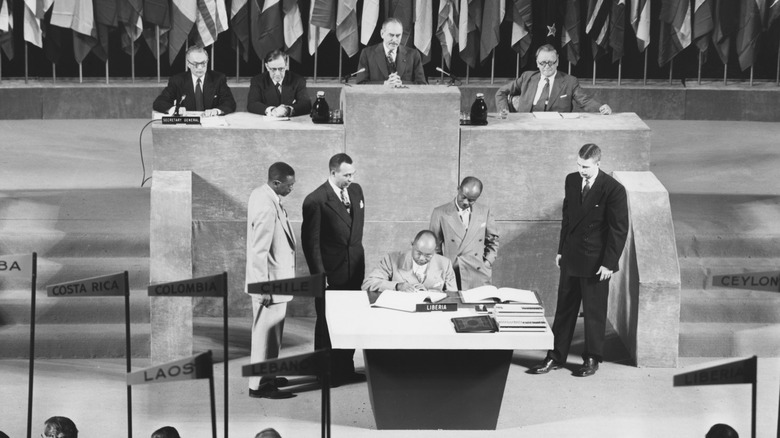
point(390, 63)
point(278, 92)
point(332, 237)
point(198, 89)
point(467, 235)
point(594, 227)
point(270, 255)
point(547, 89)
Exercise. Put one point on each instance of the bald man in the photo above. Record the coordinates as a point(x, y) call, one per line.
point(420, 268)
point(467, 235)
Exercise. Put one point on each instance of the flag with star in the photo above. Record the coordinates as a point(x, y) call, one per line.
point(597, 26)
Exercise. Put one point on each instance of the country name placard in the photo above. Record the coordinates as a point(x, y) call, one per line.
point(743, 371)
point(211, 286)
point(311, 286)
point(16, 265)
point(106, 286)
point(769, 281)
point(194, 367)
point(310, 364)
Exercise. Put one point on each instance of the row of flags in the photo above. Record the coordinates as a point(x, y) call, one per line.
point(466, 28)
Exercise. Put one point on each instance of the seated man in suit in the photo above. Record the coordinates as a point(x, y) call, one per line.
point(390, 63)
point(418, 269)
point(547, 89)
point(278, 92)
point(198, 89)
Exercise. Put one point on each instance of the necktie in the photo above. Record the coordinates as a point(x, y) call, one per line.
point(345, 199)
point(279, 91)
point(465, 216)
point(585, 190)
point(546, 92)
point(391, 61)
point(420, 276)
point(199, 97)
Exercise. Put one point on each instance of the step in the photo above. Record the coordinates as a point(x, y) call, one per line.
point(58, 341)
point(697, 272)
point(729, 306)
point(15, 308)
point(727, 245)
point(701, 339)
point(64, 269)
point(80, 238)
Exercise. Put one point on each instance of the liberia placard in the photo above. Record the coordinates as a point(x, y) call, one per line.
point(743, 371)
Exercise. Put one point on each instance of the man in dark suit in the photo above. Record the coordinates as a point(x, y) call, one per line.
point(594, 227)
point(390, 63)
point(198, 89)
point(332, 238)
point(546, 90)
point(278, 92)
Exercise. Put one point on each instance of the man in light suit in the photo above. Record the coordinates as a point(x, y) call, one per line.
point(467, 235)
point(594, 227)
point(547, 89)
point(198, 89)
point(278, 92)
point(332, 238)
point(270, 255)
point(418, 269)
point(390, 63)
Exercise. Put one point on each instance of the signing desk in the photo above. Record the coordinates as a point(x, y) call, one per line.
point(421, 373)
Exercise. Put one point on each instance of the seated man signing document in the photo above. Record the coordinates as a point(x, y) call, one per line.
point(417, 269)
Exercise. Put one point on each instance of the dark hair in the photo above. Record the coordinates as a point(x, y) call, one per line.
point(337, 160)
point(196, 48)
point(274, 54)
point(279, 171)
point(268, 432)
point(589, 151)
point(546, 48)
point(424, 233)
point(721, 430)
point(166, 432)
point(391, 20)
point(62, 427)
point(471, 180)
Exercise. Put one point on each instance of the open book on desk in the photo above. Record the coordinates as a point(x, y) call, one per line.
point(407, 301)
point(492, 294)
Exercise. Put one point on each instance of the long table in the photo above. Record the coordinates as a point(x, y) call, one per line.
point(421, 373)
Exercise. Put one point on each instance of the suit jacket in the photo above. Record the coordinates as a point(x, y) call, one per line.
point(593, 232)
point(332, 238)
point(262, 94)
point(472, 251)
point(565, 92)
point(216, 93)
point(408, 65)
point(397, 267)
point(270, 240)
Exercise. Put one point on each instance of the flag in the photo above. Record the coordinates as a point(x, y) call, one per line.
point(702, 25)
point(239, 22)
point(156, 13)
point(750, 25)
point(423, 28)
point(617, 33)
point(7, 28)
point(346, 26)
point(403, 11)
point(447, 29)
point(78, 15)
point(266, 26)
point(522, 18)
point(211, 20)
point(468, 38)
point(597, 26)
point(570, 31)
point(726, 22)
point(32, 24)
point(492, 16)
point(640, 22)
point(773, 13)
point(293, 29)
point(322, 19)
point(183, 15)
point(129, 15)
point(106, 18)
point(369, 18)
point(675, 32)
point(52, 37)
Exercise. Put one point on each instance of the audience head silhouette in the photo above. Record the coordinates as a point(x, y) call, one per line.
point(721, 430)
point(166, 432)
point(268, 433)
point(60, 427)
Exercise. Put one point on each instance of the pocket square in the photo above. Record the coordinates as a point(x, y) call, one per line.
point(361, 203)
point(597, 206)
point(563, 95)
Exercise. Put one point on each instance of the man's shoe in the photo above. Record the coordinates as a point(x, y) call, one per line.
point(545, 367)
point(588, 368)
point(280, 382)
point(269, 390)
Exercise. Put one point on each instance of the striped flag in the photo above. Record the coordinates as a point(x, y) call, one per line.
point(266, 27)
point(617, 34)
point(675, 32)
point(293, 29)
point(239, 22)
point(447, 28)
point(7, 28)
point(702, 25)
point(597, 26)
point(322, 19)
point(211, 20)
point(492, 16)
point(423, 28)
point(570, 33)
point(750, 26)
point(640, 21)
point(346, 26)
point(468, 35)
point(369, 19)
point(183, 15)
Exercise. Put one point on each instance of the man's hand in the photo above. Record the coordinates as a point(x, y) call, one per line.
point(265, 300)
point(211, 112)
point(182, 110)
point(605, 109)
point(604, 273)
point(393, 80)
point(558, 260)
point(404, 287)
point(279, 111)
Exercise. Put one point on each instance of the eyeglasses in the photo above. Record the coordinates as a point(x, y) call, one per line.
point(276, 69)
point(547, 63)
point(198, 64)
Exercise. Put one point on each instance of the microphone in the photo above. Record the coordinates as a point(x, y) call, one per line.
point(452, 77)
point(178, 105)
point(352, 75)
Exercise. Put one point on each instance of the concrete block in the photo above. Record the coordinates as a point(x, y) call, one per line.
point(651, 102)
point(26, 103)
point(758, 104)
point(523, 161)
point(170, 254)
point(645, 293)
point(405, 145)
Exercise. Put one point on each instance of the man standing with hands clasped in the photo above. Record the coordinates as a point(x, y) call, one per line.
point(594, 227)
point(390, 63)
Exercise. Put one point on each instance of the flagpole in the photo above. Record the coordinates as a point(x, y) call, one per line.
point(620, 70)
point(340, 55)
point(725, 65)
point(442, 66)
point(316, 50)
point(700, 56)
point(777, 82)
point(186, 47)
point(106, 68)
point(157, 48)
point(238, 57)
point(493, 67)
point(128, 355)
point(671, 69)
point(132, 61)
point(594, 71)
point(81, 74)
point(53, 73)
point(26, 66)
point(644, 75)
point(751, 75)
point(467, 74)
point(517, 66)
point(569, 68)
point(225, 342)
point(33, 280)
point(212, 55)
point(1, 67)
